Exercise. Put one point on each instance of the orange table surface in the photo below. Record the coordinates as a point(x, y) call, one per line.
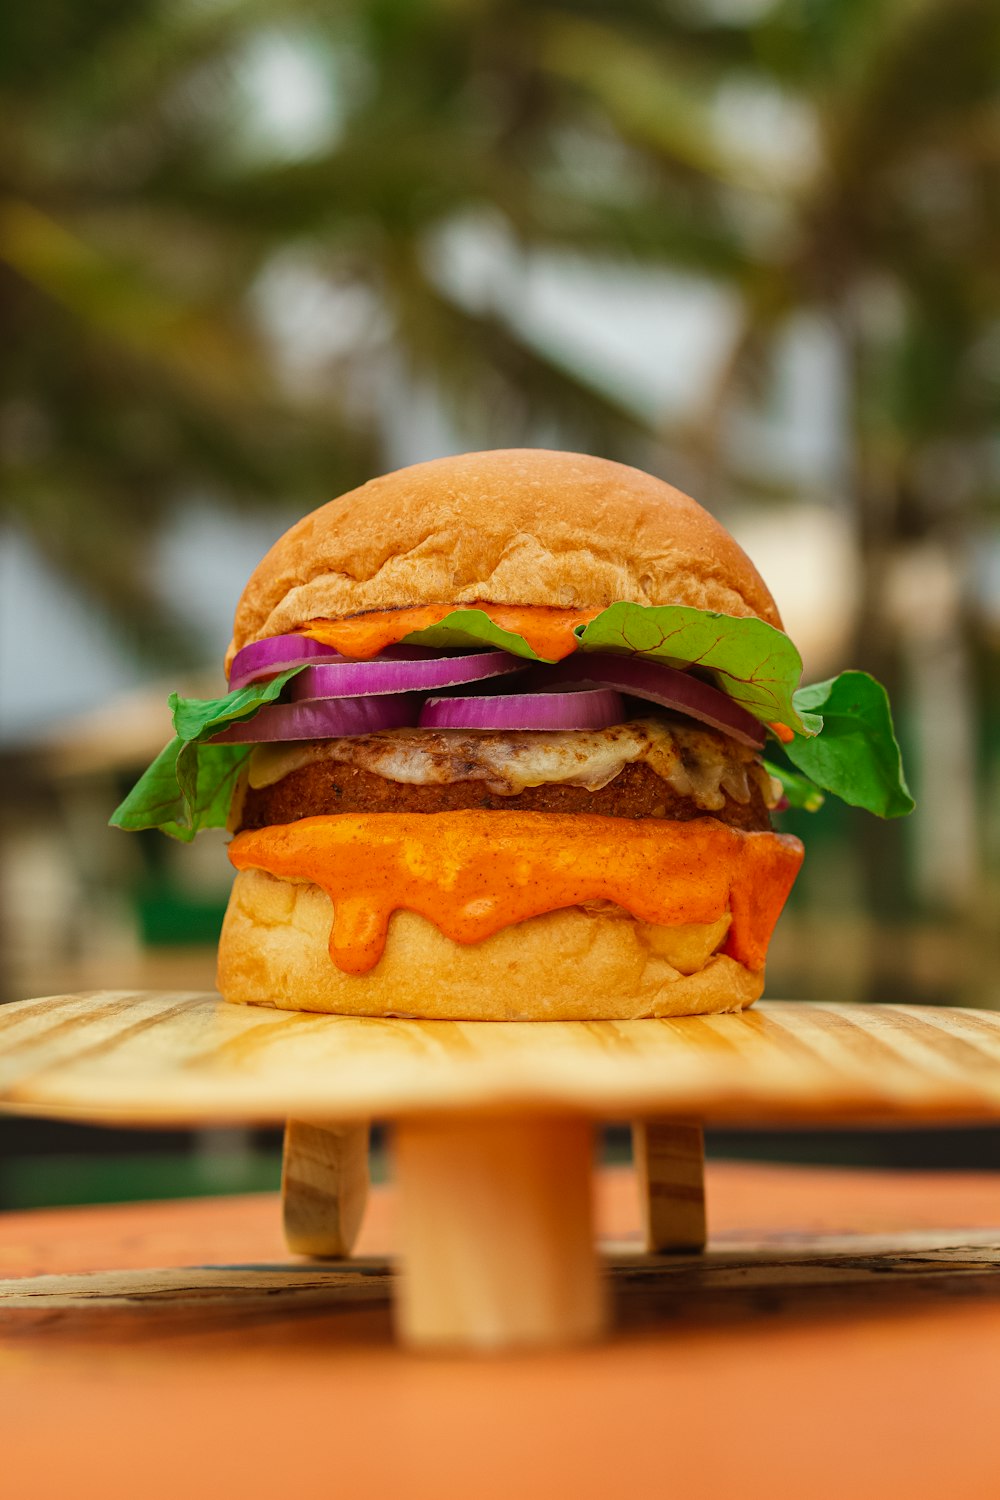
point(801, 1395)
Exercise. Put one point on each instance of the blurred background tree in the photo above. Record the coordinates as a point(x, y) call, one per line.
point(832, 158)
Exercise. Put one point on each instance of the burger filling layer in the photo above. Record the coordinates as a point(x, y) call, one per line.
point(471, 873)
point(647, 768)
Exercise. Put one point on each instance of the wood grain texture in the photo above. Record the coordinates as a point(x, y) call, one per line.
point(324, 1187)
point(178, 1059)
point(785, 1240)
point(669, 1158)
point(497, 1236)
point(753, 1280)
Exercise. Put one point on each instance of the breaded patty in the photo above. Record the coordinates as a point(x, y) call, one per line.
point(327, 787)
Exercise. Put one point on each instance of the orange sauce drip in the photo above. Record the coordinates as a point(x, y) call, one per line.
point(549, 632)
point(473, 873)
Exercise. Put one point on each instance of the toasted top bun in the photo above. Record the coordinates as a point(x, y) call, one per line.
point(511, 526)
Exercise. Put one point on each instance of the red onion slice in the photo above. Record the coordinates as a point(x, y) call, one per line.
point(323, 719)
point(279, 652)
point(585, 710)
point(656, 683)
point(395, 675)
point(262, 659)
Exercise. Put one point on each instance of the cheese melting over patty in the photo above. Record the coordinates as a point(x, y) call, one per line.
point(695, 763)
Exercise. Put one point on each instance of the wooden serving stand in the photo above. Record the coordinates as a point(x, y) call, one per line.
point(492, 1122)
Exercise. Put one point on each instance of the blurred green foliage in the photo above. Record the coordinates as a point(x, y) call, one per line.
point(823, 155)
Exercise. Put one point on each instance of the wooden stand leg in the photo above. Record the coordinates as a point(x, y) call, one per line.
point(670, 1164)
point(324, 1186)
point(497, 1235)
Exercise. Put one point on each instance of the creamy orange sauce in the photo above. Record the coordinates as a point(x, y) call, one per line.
point(473, 873)
point(549, 632)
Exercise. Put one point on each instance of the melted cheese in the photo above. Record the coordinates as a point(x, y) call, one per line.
point(693, 762)
point(473, 873)
point(548, 631)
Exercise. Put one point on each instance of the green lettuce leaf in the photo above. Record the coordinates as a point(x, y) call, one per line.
point(756, 665)
point(471, 627)
point(190, 784)
point(857, 756)
point(156, 800)
point(199, 718)
point(187, 788)
point(800, 791)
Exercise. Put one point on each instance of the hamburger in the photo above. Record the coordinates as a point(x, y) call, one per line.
point(493, 748)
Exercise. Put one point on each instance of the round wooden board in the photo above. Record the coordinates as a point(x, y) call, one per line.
point(175, 1059)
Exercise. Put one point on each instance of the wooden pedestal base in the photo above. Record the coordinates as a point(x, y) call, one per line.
point(669, 1160)
point(496, 1219)
point(497, 1236)
point(492, 1148)
point(324, 1187)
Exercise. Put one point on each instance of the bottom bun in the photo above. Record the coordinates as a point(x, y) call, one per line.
point(587, 963)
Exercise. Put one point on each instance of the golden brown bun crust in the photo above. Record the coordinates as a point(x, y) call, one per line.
point(575, 964)
point(510, 526)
